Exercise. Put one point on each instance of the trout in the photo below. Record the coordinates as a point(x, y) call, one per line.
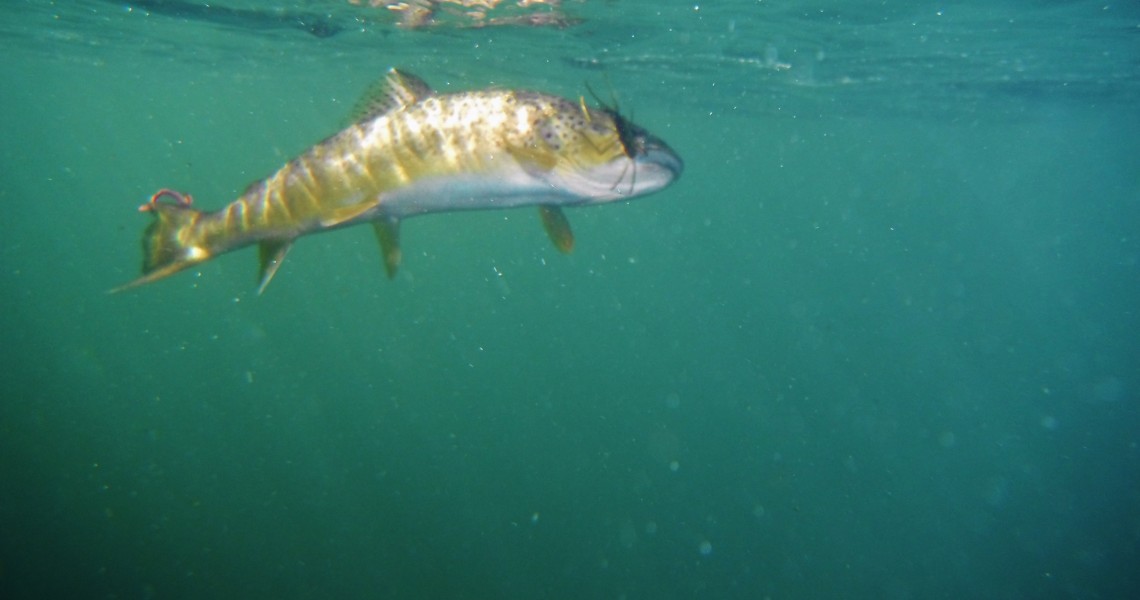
point(411, 152)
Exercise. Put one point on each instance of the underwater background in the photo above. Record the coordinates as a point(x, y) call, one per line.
point(881, 340)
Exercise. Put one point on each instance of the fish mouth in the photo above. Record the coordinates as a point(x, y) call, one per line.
point(646, 149)
point(656, 152)
point(655, 165)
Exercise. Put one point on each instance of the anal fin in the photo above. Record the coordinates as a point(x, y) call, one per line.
point(388, 234)
point(271, 253)
point(557, 227)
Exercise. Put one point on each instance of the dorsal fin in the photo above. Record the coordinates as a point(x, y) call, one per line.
point(397, 90)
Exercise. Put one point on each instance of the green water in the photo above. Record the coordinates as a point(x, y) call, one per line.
point(880, 340)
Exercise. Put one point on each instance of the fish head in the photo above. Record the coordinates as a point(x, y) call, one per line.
point(600, 156)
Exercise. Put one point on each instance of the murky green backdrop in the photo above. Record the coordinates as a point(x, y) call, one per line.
point(880, 341)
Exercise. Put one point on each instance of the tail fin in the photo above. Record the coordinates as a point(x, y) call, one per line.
point(167, 247)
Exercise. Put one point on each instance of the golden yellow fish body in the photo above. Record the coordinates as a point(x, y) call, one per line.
point(415, 152)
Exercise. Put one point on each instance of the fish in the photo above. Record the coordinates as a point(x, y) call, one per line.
point(411, 151)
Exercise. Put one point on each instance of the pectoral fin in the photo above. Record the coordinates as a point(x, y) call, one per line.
point(272, 254)
point(388, 234)
point(557, 227)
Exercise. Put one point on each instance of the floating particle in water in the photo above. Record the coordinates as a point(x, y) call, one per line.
point(705, 548)
point(674, 465)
